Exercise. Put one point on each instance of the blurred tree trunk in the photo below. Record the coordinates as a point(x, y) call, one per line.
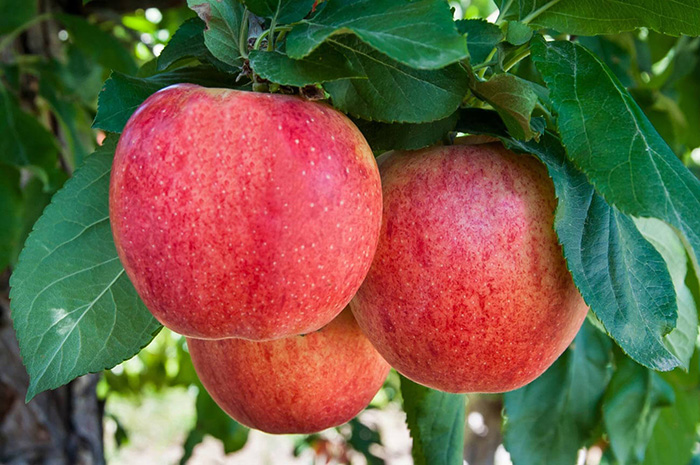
point(63, 426)
point(480, 446)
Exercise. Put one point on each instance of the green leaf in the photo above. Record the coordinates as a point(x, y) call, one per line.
point(482, 37)
point(394, 92)
point(613, 54)
point(631, 406)
point(35, 199)
point(550, 419)
point(436, 420)
point(99, 45)
point(680, 341)
point(323, 65)
point(405, 136)
point(26, 143)
point(286, 11)
point(512, 97)
point(213, 421)
point(224, 20)
point(673, 438)
point(592, 17)
point(419, 33)
point(122, 95)
point(620, 275)
point(194, 438)
point(15, 14)
point(73, 307)
point(11, 209)
point(608, 137)
point(362, 439)
point(188, 41)
point(517, 33)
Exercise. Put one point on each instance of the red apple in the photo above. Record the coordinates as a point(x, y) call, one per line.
point(299, 384)
point(239, 214)
point(468, 291)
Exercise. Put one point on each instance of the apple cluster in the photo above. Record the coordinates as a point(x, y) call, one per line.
point(300, 269)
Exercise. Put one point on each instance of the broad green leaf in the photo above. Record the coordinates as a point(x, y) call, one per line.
point(213, 421)
point(285, 11)
point(15, 14)
point(35, 199)
point(101, 46)
point(405, 136)
point(73, 307)
point(419, 33)
point(11, 210)
point(224, 21)
point(482, 37)
point(613, 54)
point(673, 438)
point(25, 143)
point(513, 99)
point(550, 419)
point(664, 114)
point(188, 41)
point(322, 65)
point(631, 406)
point(608, 137)
point(394, 92)
point(517, 33)
point(436, 421)
point(592, 17)
point(122, 94)
point(120, 97)
point(621, 276)
point(681, 341)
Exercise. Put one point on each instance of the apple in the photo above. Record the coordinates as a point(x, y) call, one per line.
point(468, 290)
point(240, 214)
point(299, 384)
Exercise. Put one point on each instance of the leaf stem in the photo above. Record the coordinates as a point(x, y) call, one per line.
point(281, 29)
point(243, 35)
point(260, 38)
point(483, 65)
point(283, 32)
point(488, 61)
point(516, 59)
point(539, 11)
point(503, 11)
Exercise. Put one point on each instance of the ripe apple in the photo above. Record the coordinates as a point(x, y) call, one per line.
point(298, 384)
point(468, 290)
point(239, 214)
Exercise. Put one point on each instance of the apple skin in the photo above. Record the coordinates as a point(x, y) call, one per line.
point(239, 214)
point(299, 384)
point(468, 291)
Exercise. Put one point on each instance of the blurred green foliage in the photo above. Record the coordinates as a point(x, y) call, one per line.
point(54, 98)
